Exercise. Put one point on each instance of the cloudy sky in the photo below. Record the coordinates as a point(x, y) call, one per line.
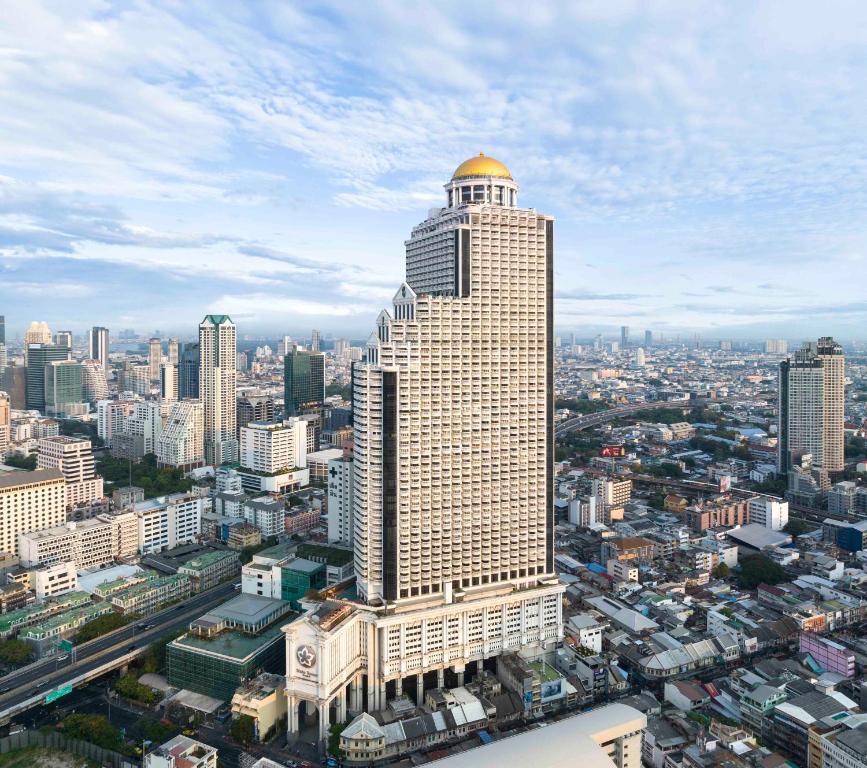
point(706, 162)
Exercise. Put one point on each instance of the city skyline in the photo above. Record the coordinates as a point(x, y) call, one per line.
point(206, 163)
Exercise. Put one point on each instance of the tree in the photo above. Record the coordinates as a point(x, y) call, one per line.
point(95, 729)
point(15, 653)
point(759, 569)
point(21, 462)
point(130, 688)
point(103, 625)
point(344, 390)
point(721, 571)
point(242, 729)
point(797, 527)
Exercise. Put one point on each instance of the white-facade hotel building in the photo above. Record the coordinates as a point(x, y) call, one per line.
point(217, 381)
point(453, 464)
point(769, 512)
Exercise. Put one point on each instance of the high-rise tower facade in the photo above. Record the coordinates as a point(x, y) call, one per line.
point(98, 345)
point(155, 358)
point(453, 408)
point(217, 380)
point(453, 463)
point(811, 398)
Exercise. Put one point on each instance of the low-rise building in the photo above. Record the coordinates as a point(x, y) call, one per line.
point(147, 597)
point(52, 580)
point(264, 700)
point(45, 635)
point(243, 535)
point(208, 570)
point(169, 521)
point(182, 752)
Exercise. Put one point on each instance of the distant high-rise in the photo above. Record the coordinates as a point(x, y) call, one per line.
point(98, 346)
point(181, 443)
point(648, 339)
point(37, 333)
point(93, 381)
point(4, 421)
point(188, 372)
point(314, 340)
point(2, 344)
point(173, 351)
point(155, 358)
point(217, 382)
point(254, 408)
point(624, 336)
point(776, 347)
point(304, 382)
point(811, 397)
point(2, 329)
point(38, 357)
point(168, 382)
point(63, 339)
point(64, 389)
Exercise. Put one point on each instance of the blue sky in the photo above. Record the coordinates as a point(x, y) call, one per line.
point(705, 161)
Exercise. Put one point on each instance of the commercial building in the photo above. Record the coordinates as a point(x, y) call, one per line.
point(30, 501)
point(39, 356)
point(453, 460)
point(168, 521)
point(151, 595)
point(188, 372)
point(155, 359)
point(254, 408)
point(168, 382)
point(304, 381)
point(811, 396)
point(64, 389)
point(111, 417)
point(318, 462)
point(228, 646)
point(53, 580)
point(267, 514)
point(263, 699)
point(45, 635)
point(340, 501)
point(841, 498)
point(141, 430)
point(217, 380)
point(74, 458)
point(88, 544)
point(93, 381)
point(208, 570)
point(181, 442)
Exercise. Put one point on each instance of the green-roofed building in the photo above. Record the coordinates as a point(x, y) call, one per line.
point(208, 570)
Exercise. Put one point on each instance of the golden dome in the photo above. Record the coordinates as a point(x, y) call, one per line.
point(481, 166)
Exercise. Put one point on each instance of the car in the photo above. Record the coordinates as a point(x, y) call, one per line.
point(179, 607)
point(237, 585)
point(6, 689)
point(131, 647)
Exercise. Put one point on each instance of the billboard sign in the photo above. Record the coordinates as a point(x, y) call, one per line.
point(613, 451)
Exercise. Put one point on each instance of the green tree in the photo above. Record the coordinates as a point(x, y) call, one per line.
point(344, 390)
point(759, 569)
point(155, 660)
point(95, 729)
point(334, 739)
point(103, 625)
point(797, 527)
point(721, 571)
point(130, 688)
point(21, 462)
point(15, 653)
point(242, 730)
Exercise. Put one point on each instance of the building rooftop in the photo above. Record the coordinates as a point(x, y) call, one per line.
point(300, 565)
point(250, 610)
point(758, 537)
point(13, 479)
point(208, 558)
point(230, 643)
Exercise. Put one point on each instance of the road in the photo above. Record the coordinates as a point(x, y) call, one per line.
point(19, 686)
point(577, 423)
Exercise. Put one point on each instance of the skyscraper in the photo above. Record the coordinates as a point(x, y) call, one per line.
point(453, 461)
point(155, 358)
point(624, 336)
point(811, 396)
point(303, 381)
point(38, 357)
point(188, 372)
point(98, 347)
point(648, 339)
point(2, 343)
point(93, 381)
point(217, 379)
point(63, 339)
point(314, 340)
point(173, 351)
point(168, 383)
point(4, 421)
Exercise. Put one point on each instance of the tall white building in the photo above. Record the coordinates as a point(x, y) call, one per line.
point(340, 496)
point(268, 446)
point(5, 422)
point(146, 421)
point(94, 384)
point(217, 380)
point(173, 351)
point(111, 417)
point(73, 457)
point(453, 462)
point(98, 345)
point(181, 442)
point(769, 512)
point(168, 382)
point(811, 397)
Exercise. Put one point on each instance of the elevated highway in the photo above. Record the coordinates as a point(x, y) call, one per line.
point(578, 423)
